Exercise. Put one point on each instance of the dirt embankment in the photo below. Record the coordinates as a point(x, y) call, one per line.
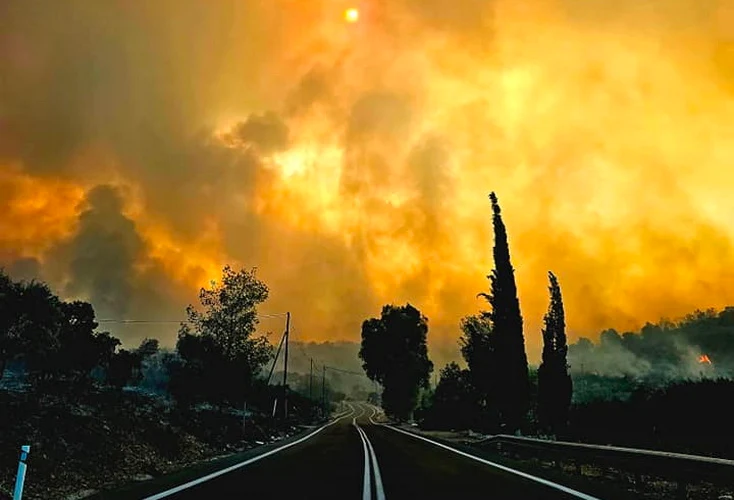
point(102, 439)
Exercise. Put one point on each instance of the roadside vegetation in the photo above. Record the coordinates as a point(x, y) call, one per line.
point(667, 387)
point(98, 415)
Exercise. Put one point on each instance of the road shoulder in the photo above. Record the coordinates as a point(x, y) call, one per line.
point(154, 486)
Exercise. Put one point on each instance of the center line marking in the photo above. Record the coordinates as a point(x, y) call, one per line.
point(379, 489)
point(366, 486)
point(525, 475)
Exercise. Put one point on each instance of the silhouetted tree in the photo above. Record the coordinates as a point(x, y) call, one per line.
point(80, 347)
point(218, 354)
point(454, 404)
point(686, 416)
point(478, 352)
point(124, 368)
point(8, 300)
point(38, 319)
point(230, 316)
point(56, 340)
point(394, 353)
point(512, 395)
point(554, 383)
point(148, 348)
point(667, 350)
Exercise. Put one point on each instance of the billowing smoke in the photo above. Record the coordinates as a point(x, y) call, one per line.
point(103, 253)
point(143, 146)
point(699, 345)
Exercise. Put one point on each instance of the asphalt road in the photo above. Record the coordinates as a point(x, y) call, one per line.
point(355, 457)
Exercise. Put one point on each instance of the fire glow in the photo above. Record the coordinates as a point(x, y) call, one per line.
point(389, 134)
point(704, 359)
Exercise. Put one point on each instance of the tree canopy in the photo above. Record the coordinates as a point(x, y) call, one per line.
point(554, 383)
point(513, 394)
point(395, 354)
point(55, 340)
point(219, 355)
point(479, 353)
point(454, 403)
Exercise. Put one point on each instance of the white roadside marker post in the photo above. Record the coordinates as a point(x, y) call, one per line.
point(22, 467)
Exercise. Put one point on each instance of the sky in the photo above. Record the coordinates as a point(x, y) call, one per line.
point(144, 145)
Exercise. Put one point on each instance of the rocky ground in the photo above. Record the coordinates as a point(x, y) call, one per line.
point(104, 438)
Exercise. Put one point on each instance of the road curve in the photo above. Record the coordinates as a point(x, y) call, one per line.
point(415, 467)
point(357, 458)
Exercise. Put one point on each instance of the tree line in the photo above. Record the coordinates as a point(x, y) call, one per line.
point(495, 392)
point(57, 342)
point(56, 345)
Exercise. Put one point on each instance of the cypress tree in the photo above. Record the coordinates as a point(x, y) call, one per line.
point(554, 383)
point(513, 386)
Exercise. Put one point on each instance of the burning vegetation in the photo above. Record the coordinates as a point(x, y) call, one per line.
point(667, 350)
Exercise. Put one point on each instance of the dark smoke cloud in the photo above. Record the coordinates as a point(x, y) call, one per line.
point(133, 94)
point(119, 79)
point(101, 263)
point(267, 132)
point(313, 88)
point(102, 254)
point(24, 269)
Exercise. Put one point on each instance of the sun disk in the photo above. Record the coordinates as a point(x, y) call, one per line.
point(351, 15)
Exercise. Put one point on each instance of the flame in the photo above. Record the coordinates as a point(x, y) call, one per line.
point(703, 358)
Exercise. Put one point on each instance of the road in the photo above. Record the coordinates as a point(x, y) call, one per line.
point(355, 457)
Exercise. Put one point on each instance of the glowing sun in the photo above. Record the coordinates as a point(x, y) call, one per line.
point(351, 15)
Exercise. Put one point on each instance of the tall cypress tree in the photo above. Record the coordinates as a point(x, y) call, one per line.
point(554, 383)
point(513, 388)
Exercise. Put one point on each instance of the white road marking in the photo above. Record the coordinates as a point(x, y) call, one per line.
point(372, 458)
point(366, 486)
point(354, 419)
point(218, 473)
point(374, 414)
point(379, 490)
point(540, 480)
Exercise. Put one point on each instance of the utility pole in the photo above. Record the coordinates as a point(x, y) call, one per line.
point(285, 367)
point(310, 383)
point(323, 390)
point(275, 360)
point(244, 418)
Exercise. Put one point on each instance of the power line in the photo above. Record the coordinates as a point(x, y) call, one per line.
point(317, 362)
point(345, 371)
point(272, 315)
point(164, 321)
point(142, 321)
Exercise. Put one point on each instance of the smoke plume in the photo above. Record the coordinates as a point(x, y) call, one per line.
point(143, 145)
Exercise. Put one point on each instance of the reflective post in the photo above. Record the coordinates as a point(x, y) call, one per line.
point(22, 467)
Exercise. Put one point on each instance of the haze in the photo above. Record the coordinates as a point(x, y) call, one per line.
point(143, 145)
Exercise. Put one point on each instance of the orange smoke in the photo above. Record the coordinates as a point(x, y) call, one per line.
point(36, 212)
point(607, 133)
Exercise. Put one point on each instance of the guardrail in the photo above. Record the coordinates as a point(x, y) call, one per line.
point(676, 467)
